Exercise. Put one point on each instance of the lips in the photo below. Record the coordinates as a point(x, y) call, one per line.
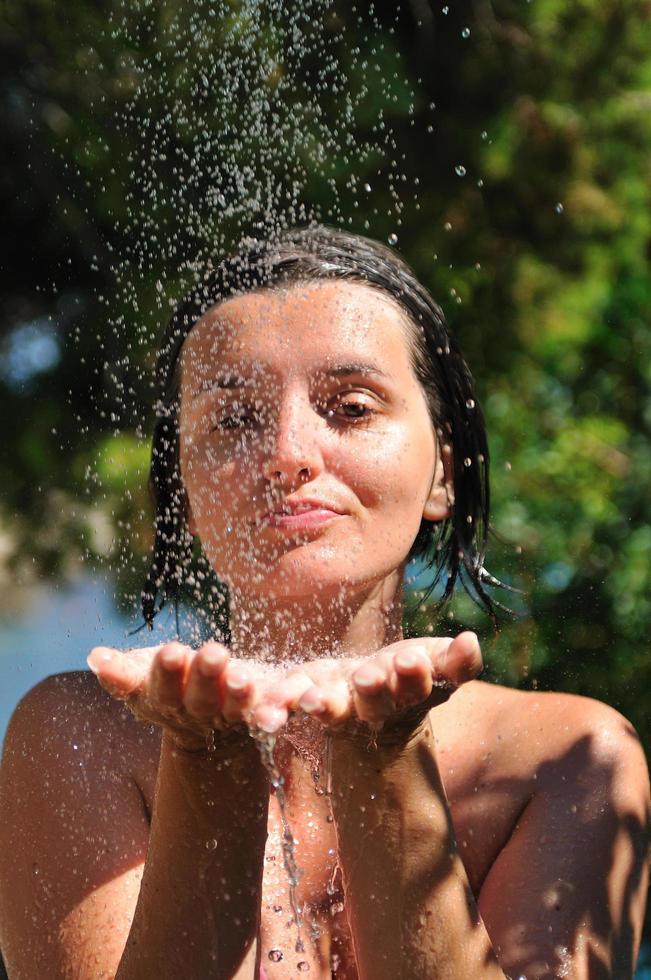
point(300, 513)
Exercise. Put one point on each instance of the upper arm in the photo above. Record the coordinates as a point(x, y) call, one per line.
point(73, 835)
point(565, 897)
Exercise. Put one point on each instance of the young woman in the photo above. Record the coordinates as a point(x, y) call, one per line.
point(317, 428)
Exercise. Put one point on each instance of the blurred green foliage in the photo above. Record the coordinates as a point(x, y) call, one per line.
point(525, 206)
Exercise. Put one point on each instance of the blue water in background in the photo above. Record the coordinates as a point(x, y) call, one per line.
point(57, 630)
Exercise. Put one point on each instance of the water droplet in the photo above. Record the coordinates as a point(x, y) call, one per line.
point(470, 403)
point(393, 238)
point(303, 966)
point(465, 33)
point(480, 183)
point(211, 844)
point(467, 461)
point(447, 226)
point(277, 908)
point(275, 955)
point(368, 188)
point(484, 135)
point(559, 208)
point(445, 10)
point(460, 170)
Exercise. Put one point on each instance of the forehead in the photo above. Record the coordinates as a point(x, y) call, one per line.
point(301, 328)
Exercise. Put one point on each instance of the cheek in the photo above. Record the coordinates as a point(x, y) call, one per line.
point(217, 486)
point(393, 473)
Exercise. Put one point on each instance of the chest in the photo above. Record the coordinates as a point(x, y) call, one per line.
point(484, 810)
point(303, 928)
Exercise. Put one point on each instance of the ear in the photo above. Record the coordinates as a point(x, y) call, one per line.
point(440, 500)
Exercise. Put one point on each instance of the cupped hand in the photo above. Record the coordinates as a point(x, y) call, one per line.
point(189, 693)
point(391, 691)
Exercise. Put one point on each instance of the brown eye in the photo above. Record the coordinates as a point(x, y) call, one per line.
point(235, 418)
point(353, 410)
point(350, 408)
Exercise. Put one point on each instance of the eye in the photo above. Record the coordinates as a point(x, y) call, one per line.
point(236, 417)
point(353, 407)
point(234, 422)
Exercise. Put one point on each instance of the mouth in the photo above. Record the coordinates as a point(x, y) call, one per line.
point(300, 514)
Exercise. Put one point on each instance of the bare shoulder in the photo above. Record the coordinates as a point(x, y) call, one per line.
point(69, 717)
point(74, 828)
point(572, 789)
point(556, 736)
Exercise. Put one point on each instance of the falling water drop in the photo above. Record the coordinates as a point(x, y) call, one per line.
point(275, 955)
point(465, 33)
point(460, 170)
point(559, 208)
point(266, 744)
point(393, 238)
point(303, 966)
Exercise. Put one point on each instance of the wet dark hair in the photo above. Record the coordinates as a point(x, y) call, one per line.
point(453, 549)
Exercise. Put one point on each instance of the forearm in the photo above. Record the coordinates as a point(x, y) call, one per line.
point(410, 907)
point(198, 911)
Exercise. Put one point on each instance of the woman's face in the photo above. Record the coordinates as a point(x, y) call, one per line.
point(307, 450)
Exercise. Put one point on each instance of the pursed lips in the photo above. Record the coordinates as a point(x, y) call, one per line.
point(300, 511)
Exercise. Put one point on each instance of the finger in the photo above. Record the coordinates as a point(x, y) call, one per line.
point(371, 694)
point(237, 693)
point(411, 678)
point(203, 692)
point(330, 703)
point(462, 661)
point(272, 710)
point(167, 679)
point(118, 673)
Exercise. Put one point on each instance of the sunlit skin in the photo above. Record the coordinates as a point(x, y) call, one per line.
point(471, 832)
point(309, 394)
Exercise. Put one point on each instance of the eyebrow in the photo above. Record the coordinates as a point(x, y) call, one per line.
point(356, 367)
point(227, 382)
point(223, 381)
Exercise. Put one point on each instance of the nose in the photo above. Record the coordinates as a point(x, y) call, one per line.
point(294, 453)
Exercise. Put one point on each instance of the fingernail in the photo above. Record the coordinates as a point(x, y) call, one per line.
point(171, 659)
point(406, 659)
point(365, 682)
point(210, 663)
point(103, 658)
point(273, 721)
point(237, 683)
point(311, 702)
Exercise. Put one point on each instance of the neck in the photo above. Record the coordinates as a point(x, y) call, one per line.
point(342, 624)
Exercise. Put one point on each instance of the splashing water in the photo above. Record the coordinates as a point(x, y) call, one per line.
point(266, 744)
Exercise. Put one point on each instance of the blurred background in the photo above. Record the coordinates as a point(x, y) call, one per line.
point(503, 148)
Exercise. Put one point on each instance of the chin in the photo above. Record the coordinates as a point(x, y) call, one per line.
point(299, 577)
